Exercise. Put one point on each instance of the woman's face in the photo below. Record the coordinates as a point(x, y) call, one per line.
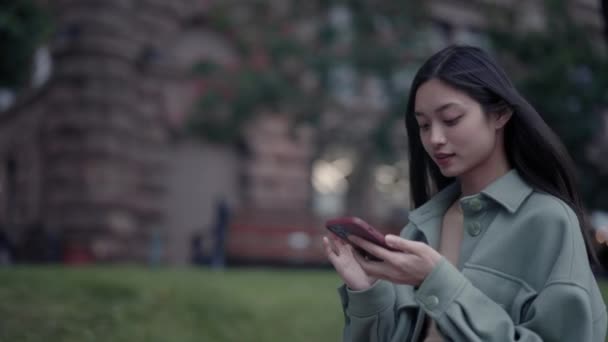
point(455, 132)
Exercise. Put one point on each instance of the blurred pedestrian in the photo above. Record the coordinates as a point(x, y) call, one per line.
point(197, 250)
point(220, 229)
point(6, 249)
point(496, 248)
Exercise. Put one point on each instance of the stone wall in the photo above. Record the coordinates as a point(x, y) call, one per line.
point(103, 128)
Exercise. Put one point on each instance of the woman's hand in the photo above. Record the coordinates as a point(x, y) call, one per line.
point(410, 265)
point(342, 256)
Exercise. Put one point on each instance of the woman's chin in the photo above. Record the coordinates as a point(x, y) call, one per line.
point(450, 171)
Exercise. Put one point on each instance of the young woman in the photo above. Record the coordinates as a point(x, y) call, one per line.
point(495, 249)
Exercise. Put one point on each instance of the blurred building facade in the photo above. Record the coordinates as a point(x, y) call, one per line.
point(87, 155)
point(94, 156)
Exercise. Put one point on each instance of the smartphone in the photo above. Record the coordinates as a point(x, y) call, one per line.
point(345, 226)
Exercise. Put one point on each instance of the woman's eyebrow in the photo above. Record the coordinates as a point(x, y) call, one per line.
point(439, 109)
point(445, 106)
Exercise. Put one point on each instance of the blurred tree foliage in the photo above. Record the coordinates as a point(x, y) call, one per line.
point(23, 27)
point(563, 72)
point(282, 69)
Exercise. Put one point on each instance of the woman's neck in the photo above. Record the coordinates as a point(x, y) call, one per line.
point(482, 175)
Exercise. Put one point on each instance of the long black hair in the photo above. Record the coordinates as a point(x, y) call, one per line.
point(527, 136)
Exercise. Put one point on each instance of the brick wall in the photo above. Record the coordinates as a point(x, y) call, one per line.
point(103, 129)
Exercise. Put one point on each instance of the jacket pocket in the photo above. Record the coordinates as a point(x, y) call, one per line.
point(512, 294)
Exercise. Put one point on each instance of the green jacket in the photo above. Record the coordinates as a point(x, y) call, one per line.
point(523, 275)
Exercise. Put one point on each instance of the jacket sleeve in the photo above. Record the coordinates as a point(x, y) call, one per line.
point(385, 312)
point(561, 311)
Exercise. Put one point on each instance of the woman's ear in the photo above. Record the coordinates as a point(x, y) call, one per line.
point(503, 118)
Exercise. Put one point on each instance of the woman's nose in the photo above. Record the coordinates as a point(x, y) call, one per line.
point(437, 135)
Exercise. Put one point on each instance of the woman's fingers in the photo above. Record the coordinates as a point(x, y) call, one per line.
point(336, 246)
point(373, 249)
point(405, 245)
point(342, 246)
point(334, 242)
point(373, 268)
point(328, 248)
point(361, 260)
point(327, 245)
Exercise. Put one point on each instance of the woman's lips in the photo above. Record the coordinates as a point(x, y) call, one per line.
point(443, 159)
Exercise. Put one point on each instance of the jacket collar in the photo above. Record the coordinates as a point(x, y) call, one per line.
point(509, 191)
point(437, 205)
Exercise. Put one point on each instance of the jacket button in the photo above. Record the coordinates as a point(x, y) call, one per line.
point(432, 301)
point(476, 204)
point(474, 228)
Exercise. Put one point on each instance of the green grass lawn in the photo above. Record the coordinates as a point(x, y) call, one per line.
point(137, 304)
point(130, 304)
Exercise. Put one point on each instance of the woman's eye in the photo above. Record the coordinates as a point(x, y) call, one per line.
point(452, 122)
point(424, 126)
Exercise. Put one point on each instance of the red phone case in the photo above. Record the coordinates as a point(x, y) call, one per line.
point(344, 226)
